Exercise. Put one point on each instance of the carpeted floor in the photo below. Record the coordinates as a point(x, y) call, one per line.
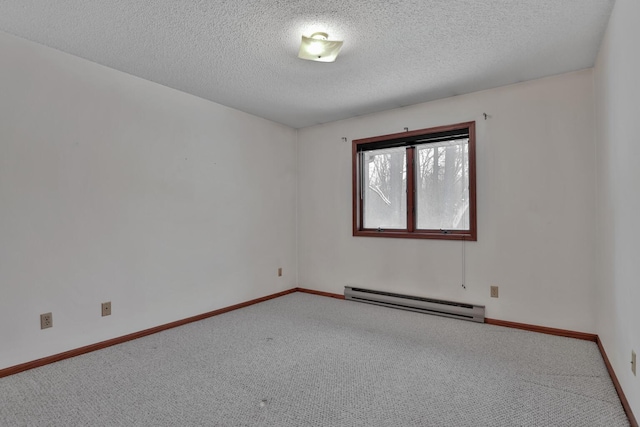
point(306, 360)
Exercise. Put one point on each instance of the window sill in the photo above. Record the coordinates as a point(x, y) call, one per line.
point(435, 235)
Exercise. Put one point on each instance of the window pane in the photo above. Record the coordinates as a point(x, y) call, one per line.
point(442, 186)
point(385, 188)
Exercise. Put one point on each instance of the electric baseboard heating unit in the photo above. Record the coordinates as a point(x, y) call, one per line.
point(456, 310)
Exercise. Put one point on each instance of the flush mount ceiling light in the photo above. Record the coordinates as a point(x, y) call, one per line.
point(318, 48)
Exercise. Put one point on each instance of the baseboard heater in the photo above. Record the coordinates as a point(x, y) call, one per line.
point(456, 310)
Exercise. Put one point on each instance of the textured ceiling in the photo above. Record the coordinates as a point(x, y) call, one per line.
point(243, 53)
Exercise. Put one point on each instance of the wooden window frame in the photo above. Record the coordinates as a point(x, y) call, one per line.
point(411, 232)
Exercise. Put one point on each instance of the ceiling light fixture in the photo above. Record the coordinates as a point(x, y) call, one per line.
point(318, 48)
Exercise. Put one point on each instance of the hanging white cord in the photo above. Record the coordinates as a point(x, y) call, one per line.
point(464, 254)
point(464, 274)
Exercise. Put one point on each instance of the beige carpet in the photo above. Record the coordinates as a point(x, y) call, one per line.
point(305, 360)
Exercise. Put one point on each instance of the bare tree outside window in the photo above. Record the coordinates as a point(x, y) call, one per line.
point(443, 191)
point(386, 192)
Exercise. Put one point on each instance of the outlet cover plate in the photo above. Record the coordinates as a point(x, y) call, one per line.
point(46, 321)
point(106, 309)
point(494, 292)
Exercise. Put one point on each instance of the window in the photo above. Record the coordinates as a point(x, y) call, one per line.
point(419, 184)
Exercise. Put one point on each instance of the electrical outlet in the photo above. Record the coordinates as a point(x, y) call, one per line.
point(280, 272)
point(106, 309)
point(46, 321)
point(633, 362)
point(494, 292)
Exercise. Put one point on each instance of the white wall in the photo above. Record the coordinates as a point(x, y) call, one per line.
point(535, 179)
point(113, 188)
point(618, 153)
